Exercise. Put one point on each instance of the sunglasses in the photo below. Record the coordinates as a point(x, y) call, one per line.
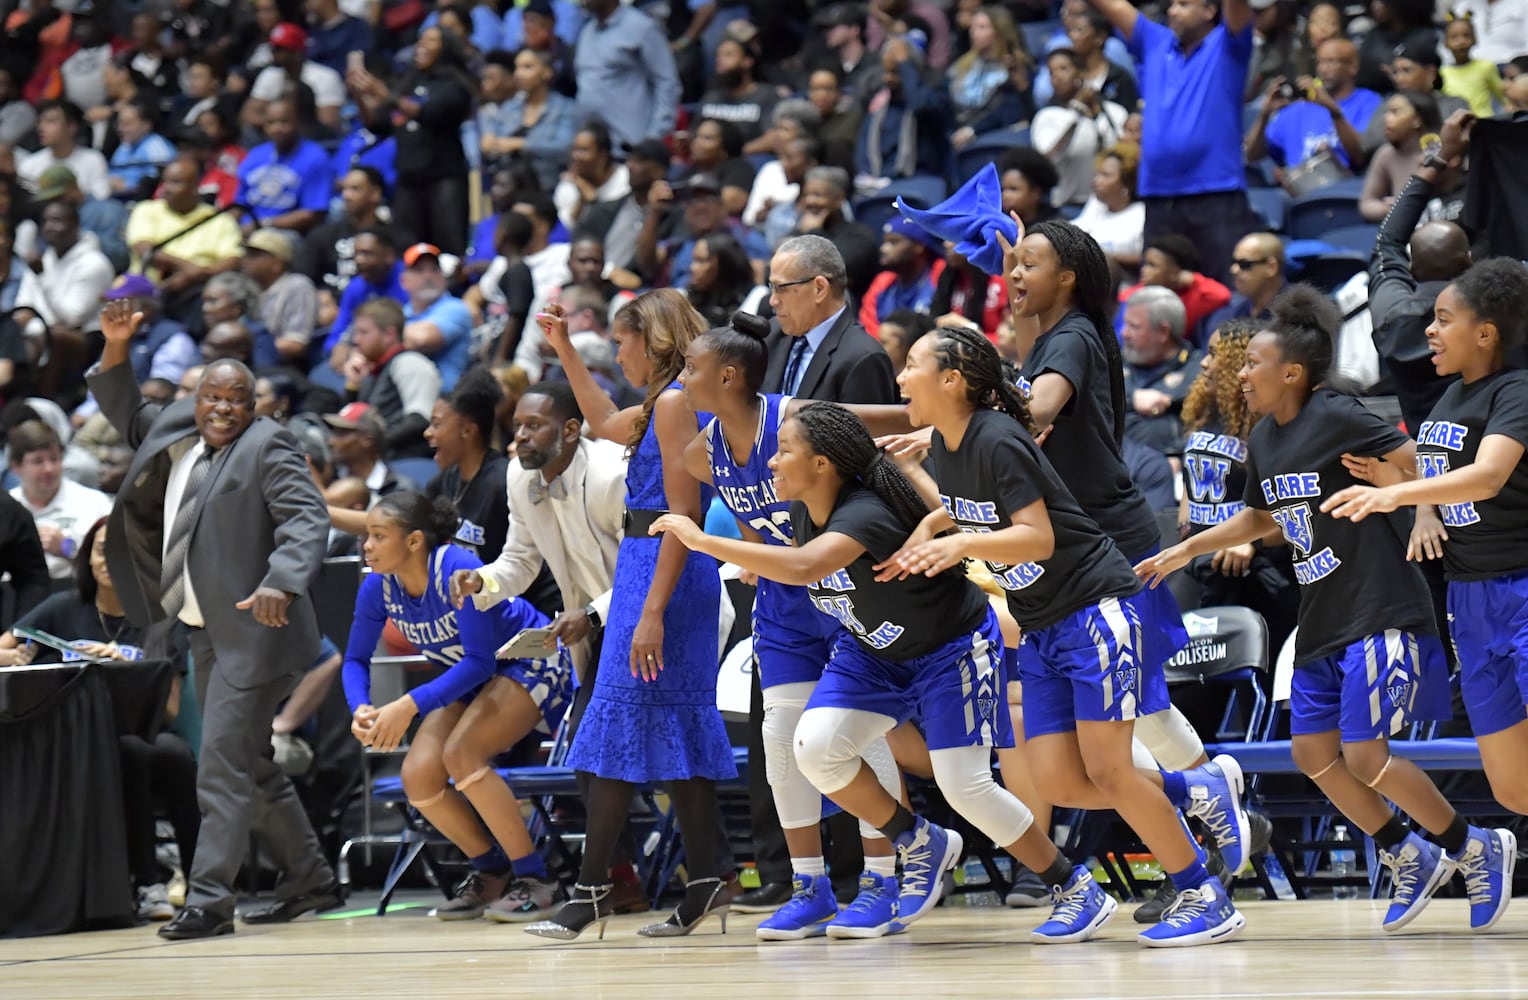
point(1244, 265)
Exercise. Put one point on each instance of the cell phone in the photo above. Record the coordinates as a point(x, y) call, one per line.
point(356, 60)
point(530, 644)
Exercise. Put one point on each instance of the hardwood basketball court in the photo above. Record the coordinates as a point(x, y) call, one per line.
point(1316, 949)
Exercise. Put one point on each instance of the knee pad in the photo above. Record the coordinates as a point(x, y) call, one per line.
point(797, 801)
point(427, 803)
point(465, 783)
point(830, 742)
point(1170, 738)
point(1142, 757)
point(884, 763)
point(964, 775)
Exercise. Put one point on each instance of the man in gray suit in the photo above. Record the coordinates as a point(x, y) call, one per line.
point(219, 524)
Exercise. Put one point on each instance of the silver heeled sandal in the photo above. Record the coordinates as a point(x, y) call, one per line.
point(675, 926)
point(581, 910)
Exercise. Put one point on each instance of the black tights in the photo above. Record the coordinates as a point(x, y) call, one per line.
point(162, 771)
point(694, 800)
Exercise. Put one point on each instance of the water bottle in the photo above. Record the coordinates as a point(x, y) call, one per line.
point(1344, 863)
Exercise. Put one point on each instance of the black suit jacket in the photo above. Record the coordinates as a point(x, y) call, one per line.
point(849, 367)
point(261, 523)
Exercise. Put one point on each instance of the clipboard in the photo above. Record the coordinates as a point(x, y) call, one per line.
point(530, 644)
point(62, 645)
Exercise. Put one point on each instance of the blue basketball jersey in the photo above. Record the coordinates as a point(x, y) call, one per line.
point(747, 487)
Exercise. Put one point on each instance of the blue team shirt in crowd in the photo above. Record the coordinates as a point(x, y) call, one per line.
point(1300, 131)
point(361, 148)
point(1192, 137)
point(356, 294)
point(450, 315)
point(272, 184)
point(465, 641)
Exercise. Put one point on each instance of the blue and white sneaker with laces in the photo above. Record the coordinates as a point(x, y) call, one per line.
point(1418, 869)
point(1204, 915)
point(1078, 910)
point(1487, 862)
point(927, 851)
point(1215, 799)
point(805, 914)
point(872, 914)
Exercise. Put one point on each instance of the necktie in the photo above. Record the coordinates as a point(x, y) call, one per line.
point(793, 368)
point(540, 489)
point(172, 573)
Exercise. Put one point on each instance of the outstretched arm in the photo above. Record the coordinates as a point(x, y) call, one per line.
point(1482, 479)
point(796, 566)
point(1123, 15)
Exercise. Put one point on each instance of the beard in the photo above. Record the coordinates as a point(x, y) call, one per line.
point(728, 79)
point(531, 458)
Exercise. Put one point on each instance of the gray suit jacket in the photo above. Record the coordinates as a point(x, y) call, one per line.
point(262, 523)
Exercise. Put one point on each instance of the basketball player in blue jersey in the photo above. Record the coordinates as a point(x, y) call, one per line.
point(923, 647)
point(1368, 661)
point(478, 708)
point(1472, 467)
point(724, 369)
point(996, 498)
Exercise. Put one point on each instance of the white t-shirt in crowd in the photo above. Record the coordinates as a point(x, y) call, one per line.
point(327, 86)
point(1074, 163)
point(73, 509)
point(1116, 232)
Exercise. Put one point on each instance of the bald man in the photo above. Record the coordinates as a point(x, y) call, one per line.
point(1332, 114)
point(1257, 273)
point(1517, 95)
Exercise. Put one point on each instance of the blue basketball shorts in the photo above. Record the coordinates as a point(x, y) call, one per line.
point(1162, 628)
point(1372, 688)
point(1488, 620)
point(549, 682)
point(957, 694)
point(1089, 667)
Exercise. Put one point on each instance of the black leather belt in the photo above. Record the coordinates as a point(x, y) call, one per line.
point(635, 523)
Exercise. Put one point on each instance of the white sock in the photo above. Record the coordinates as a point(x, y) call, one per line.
point(809, 866)
point(882, 865)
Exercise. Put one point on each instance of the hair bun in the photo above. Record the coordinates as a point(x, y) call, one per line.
point(750, 325)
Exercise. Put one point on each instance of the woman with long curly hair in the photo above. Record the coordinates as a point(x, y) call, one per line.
point(652, 716)
point(1216, 424)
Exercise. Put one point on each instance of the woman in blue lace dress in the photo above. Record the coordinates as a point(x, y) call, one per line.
point(653, 715)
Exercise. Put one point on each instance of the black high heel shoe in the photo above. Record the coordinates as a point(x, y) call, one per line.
point(582, 909)
point(675, 925)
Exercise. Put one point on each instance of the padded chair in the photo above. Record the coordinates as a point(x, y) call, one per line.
point(1359, 238)
point(1227, 646)
point(1271, 205)
point(1330, 271)
point(987, 148)
point(1332, 207)
point(923, 191)
point(420, 470)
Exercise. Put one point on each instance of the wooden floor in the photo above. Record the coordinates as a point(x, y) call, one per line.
point(1304, 950)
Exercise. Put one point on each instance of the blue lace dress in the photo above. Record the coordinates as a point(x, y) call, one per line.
point(639, 731)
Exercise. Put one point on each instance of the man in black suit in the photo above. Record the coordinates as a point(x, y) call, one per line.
point(219, 524)
point(817, 350)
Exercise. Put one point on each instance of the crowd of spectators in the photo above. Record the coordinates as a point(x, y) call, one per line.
point(366, 200)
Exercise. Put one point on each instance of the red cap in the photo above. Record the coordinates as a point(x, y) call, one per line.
point(412, 254)
point(287, 35)
point(353, 417)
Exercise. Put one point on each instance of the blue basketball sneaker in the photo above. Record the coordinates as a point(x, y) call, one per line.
point(1078, 910)
point(1419, 869)
point(1198, 916)
point(927, 851)
point(872, 914)
point(805, 914)
point(1214, 799)
point(1486, 863)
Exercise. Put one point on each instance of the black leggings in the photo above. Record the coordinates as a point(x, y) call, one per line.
point(608, 802)
point(434, 212)
point(163, 771)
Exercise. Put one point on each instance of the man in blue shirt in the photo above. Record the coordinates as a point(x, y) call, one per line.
point(1193, 177)
point(625, 72)
point(285, 182)
point(439, 325)
point(379, 274)
point(1333, 115)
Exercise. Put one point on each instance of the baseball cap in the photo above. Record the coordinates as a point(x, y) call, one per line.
point(131, 286)
point(913, 231)
point(356, 417)
point(271, 242)
point(55, 182)
point(1421, 53)
point(541, 7)
point(840, 15)
point(650, 150)
point(412, 254)
point(1261, 4)
point(287, 35)
point(702, 183)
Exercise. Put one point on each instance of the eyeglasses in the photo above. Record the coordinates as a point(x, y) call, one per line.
point(776, 287)
point(1243, 265)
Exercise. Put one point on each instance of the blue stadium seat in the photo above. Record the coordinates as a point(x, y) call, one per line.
point(1269, 204)
point(1329, 271)
point(1036, 34)
point(1333, 207)
point(987, 148)
point(922, 191)
point(1360, 238)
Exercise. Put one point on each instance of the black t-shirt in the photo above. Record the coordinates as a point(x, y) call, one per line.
point(484, 508)
point(1354, 578)
point(1485, 538)
point(1082, 446)
point(997, 471)
point(66, 616)
point(751, 113)
point(897, 620)
point(1214, 476)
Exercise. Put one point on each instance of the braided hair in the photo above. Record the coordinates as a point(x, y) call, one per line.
point(991, 382)
point(840, 437)
point(1079, 253)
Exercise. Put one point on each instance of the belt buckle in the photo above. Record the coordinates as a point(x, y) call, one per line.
point(625, 521)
